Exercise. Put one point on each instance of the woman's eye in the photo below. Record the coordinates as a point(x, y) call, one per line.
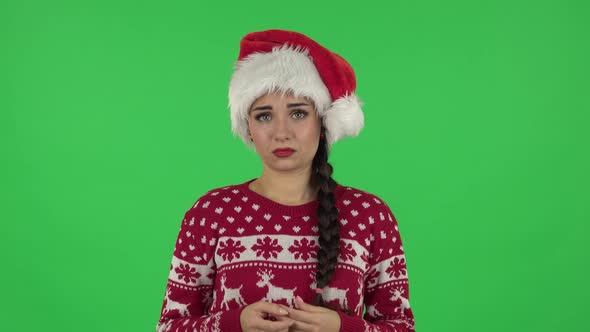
point(267, 117)
point(301, 114)
point(262, 117)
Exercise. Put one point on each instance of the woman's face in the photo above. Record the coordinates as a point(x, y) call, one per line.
point(278, 121)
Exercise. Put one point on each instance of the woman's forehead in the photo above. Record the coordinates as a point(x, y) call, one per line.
point(282, 97)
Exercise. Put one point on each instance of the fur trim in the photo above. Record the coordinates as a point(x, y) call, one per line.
point(290, 69)
point(344, 118)
point(284, 69)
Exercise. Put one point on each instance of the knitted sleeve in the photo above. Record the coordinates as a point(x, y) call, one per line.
point(190, 284)
point(386, 294)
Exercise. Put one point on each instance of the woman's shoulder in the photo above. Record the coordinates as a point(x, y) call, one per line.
point(353, 198)
point(358, 204)
point(217, 194)
point(345, 192)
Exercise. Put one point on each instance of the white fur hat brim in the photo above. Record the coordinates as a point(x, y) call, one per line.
point(290, 69)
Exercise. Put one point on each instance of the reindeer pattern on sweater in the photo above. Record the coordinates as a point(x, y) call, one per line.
point(236, 247)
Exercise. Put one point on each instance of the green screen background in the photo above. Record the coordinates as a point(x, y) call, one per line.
point(114, 121)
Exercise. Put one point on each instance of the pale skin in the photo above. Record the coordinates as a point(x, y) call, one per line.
point(310, 318)
point(275, 121)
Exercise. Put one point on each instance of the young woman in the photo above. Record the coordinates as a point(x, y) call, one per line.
point(291, 250)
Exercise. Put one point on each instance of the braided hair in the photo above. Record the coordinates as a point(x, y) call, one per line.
point(329, 226)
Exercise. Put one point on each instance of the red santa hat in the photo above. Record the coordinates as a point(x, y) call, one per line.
point(280, 60)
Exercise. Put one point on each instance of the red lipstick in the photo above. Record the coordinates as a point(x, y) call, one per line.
point(283, 152)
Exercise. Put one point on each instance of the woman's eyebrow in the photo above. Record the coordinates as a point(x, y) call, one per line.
point(297, 104)
point(268, 107)
point(261, 108)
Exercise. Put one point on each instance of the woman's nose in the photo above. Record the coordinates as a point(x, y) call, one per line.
point(282, 127)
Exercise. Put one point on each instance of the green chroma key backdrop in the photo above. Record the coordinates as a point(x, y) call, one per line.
point(114, 120)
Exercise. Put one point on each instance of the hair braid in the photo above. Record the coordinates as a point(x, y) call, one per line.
point(329, 227)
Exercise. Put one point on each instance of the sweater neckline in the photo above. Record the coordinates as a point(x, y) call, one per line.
point(301, 209)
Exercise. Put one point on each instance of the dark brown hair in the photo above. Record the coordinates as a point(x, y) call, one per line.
point(329, 226)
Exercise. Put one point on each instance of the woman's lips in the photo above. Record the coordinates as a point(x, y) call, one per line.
point(283, 153)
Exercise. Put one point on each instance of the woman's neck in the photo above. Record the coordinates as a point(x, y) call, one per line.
point(285, 189)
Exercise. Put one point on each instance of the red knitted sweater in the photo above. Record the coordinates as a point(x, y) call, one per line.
point(237, 247)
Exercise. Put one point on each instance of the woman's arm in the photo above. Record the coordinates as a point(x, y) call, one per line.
point(189, 289)
point(386, 293)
